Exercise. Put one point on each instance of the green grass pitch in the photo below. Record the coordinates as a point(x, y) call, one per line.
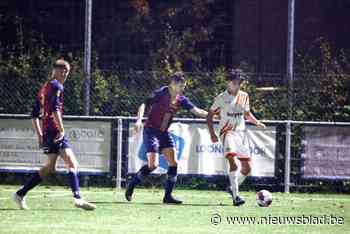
point(52, 211)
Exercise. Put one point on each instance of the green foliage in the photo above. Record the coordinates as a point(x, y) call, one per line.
point(321, 85)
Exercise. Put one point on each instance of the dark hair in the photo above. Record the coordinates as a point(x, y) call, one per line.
point(178, 77)
point(235, 74)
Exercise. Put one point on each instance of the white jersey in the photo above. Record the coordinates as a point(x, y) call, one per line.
point(231, 109)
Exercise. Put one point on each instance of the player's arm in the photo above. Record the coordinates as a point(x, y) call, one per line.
point(140, 113)
point(210, 124)
point(58, 118)
point(199, 112)
point(141, 110)
point(250, 117)
point(36, 121)
point(188, 105)
point(56, 112)
point(213, 112)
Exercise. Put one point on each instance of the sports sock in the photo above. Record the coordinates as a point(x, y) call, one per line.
point(234, 183)
point(241, 177)
point(30, 184)
point(74, 184)
point(141, 175)
point(171, 180)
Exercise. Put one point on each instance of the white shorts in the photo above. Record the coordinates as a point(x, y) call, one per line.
point(235, 143)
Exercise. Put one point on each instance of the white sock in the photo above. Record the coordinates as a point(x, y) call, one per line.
point(234, 183)
point(241, 177)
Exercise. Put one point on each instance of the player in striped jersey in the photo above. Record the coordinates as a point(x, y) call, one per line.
point(51, 136)
point(163, 105)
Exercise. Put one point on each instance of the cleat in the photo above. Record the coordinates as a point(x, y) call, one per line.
point(238, 201)
point(171, 200)
point(20, 201)
point(128, 192)
point(81, 203)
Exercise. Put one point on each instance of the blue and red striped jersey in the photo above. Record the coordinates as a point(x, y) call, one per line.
point(162, 110)
point(49, 100)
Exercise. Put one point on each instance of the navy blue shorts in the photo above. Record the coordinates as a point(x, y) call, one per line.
point(156, 140)
point(50, 147)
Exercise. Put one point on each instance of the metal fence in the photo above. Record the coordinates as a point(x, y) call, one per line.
point(289, 174)
point(131, 43)
point(316, 97)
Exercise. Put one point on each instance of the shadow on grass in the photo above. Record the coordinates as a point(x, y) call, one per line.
point(159, 203)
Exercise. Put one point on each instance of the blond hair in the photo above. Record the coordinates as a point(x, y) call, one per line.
point(59, 64)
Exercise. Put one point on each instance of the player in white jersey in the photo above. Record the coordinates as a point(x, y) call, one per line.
point(233, 109)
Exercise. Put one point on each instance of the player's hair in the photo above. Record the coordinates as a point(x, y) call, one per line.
point(236, 74)
point(59, 64)
point(178, 77)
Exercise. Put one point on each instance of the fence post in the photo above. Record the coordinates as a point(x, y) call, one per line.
point(290, 77)
point(87, 56)
point(287, 157)
point(119, 153)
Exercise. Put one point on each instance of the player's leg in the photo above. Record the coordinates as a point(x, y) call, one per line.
point(167, 147)
point(152, 164)
point(234, 179)
point(230, 151)
point(243, 156)
point(169, 154)
point(233, 174)
point(142, 174)
point(150, 139)
point(72, 167)
point(245, 169)
point(36, 179)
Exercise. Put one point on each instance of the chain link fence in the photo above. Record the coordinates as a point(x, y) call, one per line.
point(113, 93)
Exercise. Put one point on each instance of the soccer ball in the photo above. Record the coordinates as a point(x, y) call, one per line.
point(264, 198)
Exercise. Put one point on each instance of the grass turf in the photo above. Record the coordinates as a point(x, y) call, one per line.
point(52, 211)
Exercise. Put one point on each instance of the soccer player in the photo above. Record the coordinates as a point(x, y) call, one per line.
point(51, 136)
point(233, 108)
point(163, 105)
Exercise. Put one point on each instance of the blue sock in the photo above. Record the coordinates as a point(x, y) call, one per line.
point(140, 175)
point(74, 184)
point(34, 181)
point(135, 181)
point(171, 181)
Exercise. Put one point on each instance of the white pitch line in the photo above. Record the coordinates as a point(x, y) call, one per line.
point(55, 194)
point(321, 199)
point(60, 193)
point(54, 191)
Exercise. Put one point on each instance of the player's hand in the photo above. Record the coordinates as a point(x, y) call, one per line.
point(260, 125)
point(59, 137)
point(40, 141)
point(216, 115)
point(214, 138)
point(138, 126)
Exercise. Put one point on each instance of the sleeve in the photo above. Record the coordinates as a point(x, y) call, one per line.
point(217, 104)
point(55, 101)
point(186, 104)
point(36, 109)
point(246, 105)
